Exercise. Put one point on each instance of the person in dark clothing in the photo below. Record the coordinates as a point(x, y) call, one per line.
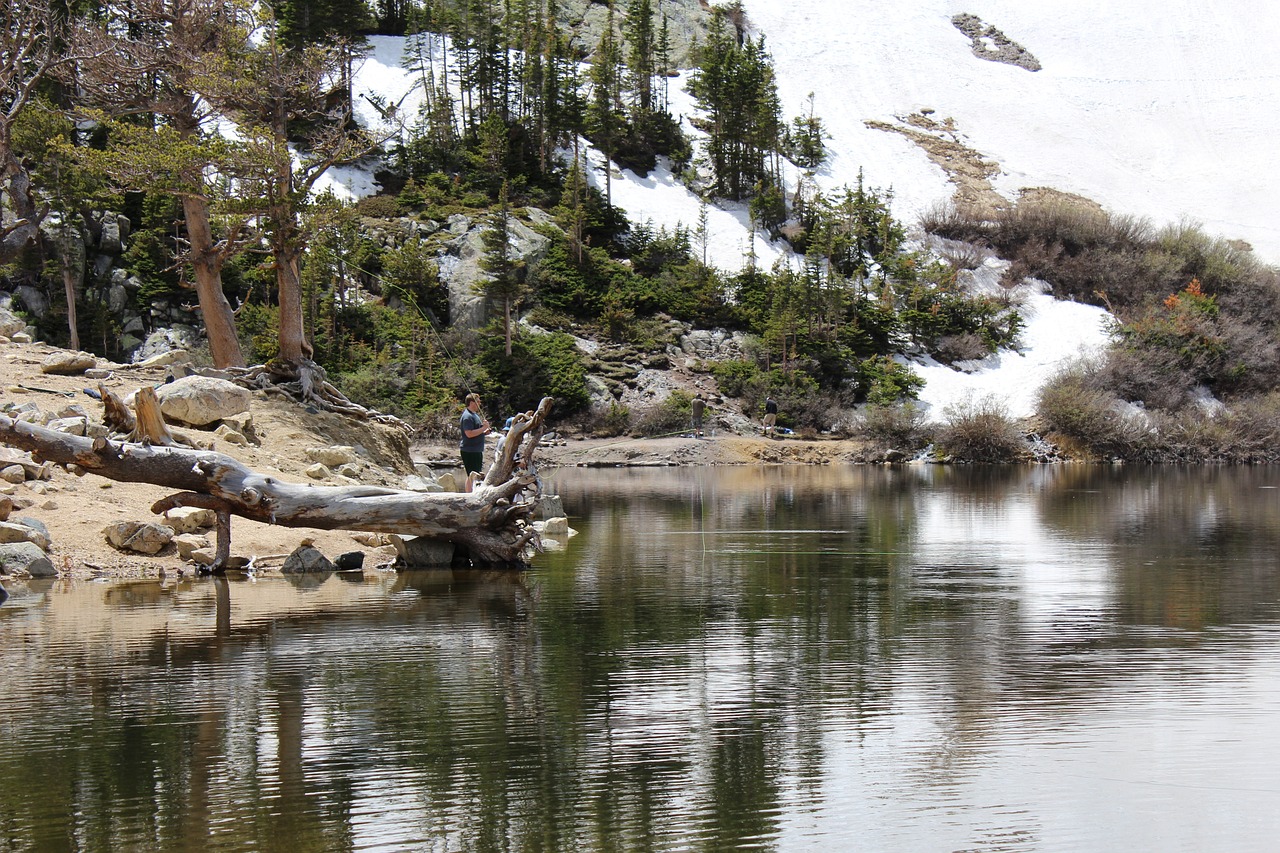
point(474, 429)
point(770, 415)
point(697, 408)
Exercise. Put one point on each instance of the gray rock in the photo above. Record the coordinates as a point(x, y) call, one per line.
point(200, 400)
point(318, 472)
point(306, 559)
point(549, 506)
point(70, 426)
point(12, 531)
point(20, 558)
point(139, 537)
point(189, 543)
point(67, 363)
point(10, 325)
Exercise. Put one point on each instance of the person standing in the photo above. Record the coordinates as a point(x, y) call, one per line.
point(698, 407)
point(474, 429)
point(770, 415)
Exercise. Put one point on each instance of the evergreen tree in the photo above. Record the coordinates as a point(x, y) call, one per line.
point(641, 60)
point(506, 286)
point(605, 122)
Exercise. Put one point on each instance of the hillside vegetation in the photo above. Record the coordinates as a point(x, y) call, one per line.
point(135, 217)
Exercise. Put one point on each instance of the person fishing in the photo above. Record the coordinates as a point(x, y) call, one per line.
point(474, 428)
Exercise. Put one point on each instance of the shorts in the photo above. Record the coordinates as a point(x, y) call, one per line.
point(771, 419)
point(472, 460)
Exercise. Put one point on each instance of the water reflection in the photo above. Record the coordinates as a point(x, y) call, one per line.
point(777, 658)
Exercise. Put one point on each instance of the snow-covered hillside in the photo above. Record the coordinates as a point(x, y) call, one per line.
point(1153, 108)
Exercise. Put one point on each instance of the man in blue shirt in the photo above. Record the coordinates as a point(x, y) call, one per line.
point(474, 429)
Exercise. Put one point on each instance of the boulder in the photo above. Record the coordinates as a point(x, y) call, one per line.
point(26, 558)
point(306, 559)
point(138, 537)
point(189, 543)
point(189, 519)
point(13, 531)
point(201, 400)
point(68, 363)
point(350, 561)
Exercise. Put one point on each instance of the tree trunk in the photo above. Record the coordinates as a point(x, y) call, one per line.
point(485, 525)
point(206, 263)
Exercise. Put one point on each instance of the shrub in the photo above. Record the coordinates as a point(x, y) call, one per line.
point(735, 376)
point(898, 427)
point(1074, 406)
point(980, 431)
point(380, 207)
point(672, 414)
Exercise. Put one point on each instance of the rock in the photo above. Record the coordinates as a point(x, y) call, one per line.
point(189, 519)
point(448, 483)
point(350, 561)
point(67, 363)
point(10, 325)
point(6, 507)
point(558, 526)
point(230, 436)
point(11, 532)
point(549, 506)
point(13, 474)
point(306, 560)
point(242, 422)
point(26, 558)
point(422, 552)
point(188, 543)
point(70, 426)
point(351, 470)
point(333, 456)
point(318, 472)
point(372, 540)
point(166, 346)
point(416, 483)
point(200, 400)
point(139, 537)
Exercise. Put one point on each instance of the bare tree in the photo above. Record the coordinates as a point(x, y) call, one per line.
point(152, 57)
point(32, 48)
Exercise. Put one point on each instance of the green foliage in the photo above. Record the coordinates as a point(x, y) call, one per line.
point(734, 377)
point(258, 327)
point(882, 381)
point(150, 251)
point(539, 366)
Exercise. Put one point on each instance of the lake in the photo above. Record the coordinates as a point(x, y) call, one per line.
point(915, 658)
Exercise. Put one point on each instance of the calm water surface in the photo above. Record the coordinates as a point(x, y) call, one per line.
point(909, 659)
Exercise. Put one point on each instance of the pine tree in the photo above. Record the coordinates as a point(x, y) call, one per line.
point(506, 286)
point(641, 59)
point(605, 122)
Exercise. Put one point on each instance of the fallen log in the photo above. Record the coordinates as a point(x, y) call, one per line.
point(486, 525)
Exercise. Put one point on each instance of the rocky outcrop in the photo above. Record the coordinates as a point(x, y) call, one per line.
point(987, 42)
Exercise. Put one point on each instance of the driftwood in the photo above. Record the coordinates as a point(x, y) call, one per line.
point(486, 525)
